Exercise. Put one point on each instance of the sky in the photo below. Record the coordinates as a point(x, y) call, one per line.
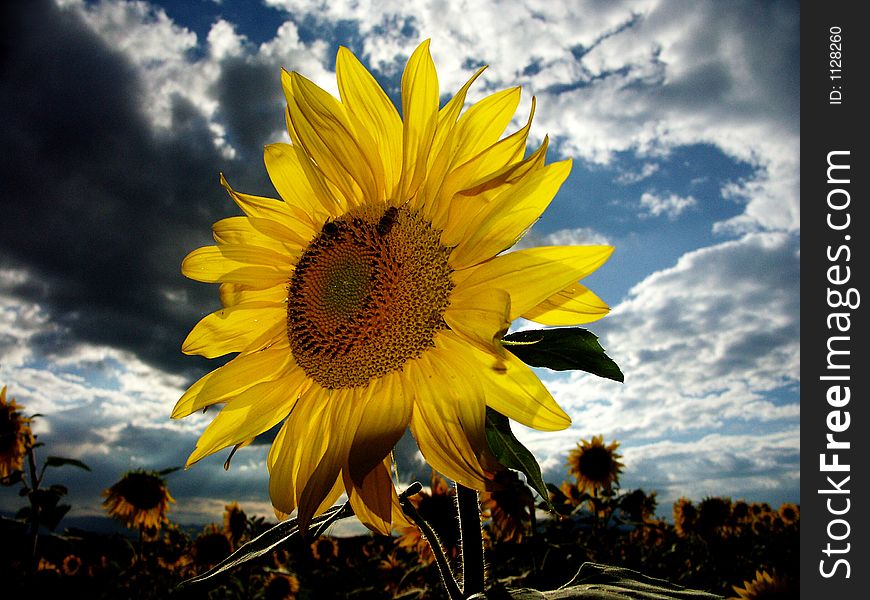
point(682, 118)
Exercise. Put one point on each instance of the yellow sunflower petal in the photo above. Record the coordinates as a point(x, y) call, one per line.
point(291, 463)
point(481, 319)
point(329, 137)
point(449, 114)
point(420, 117)
point(374, 499)
point(382, 424)
point(255, 410)
point(515, 391)
point(298, 182)
point(248, 265)
point(496, 163)
point(484, 122)
point(272, 217)
point(574, 305)
point(447, 421)
point(234, 377)
point(345, 418)
point(232, 329)
point(232, 294)
point(484, 189)
point(532, 276)
point(489, 185)
point(501, 223)
point(365, 98)
point(241, 231)
point(441, 153)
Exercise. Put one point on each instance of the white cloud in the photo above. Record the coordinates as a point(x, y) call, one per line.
point(643, 76)
point(703, 345)
point(647, 170)
point(700, 342)
point(577, 236)
point(738, 466)
point(671, 206)
point(629, 76)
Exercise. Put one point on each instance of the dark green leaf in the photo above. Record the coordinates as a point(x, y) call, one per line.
point(267, 540)
point(563, 349)
point(59, 461)
point(60, 490)
point(51, 518)
point(45, 499)
point(512, 454)
point(168, 471)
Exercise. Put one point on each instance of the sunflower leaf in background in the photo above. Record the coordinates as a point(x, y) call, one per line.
point(59, 461)
point(512, 454)
point(602, 582)
point(271, 538)
point(563, 349)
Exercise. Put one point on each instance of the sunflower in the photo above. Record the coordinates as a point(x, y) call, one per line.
point(71, 565)
point(15, 435)
point(790, 513)
point(235, 522)
point(764, 587)
point(714, 515)
point(639, 506)
point(510, 509)
point(210, 547)
point(140, 499)
point(374, 295)
point(685, 517)
point(324, 549)
point(595, 465)
point(281, 586)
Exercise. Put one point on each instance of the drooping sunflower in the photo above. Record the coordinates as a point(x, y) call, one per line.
point(714, 515)
point(235, 522)
point(139, 500)
point(374, 294)
point(510, 509)
point(15, 435)
point(685, 517)
point(210, 547)
point(595, 465)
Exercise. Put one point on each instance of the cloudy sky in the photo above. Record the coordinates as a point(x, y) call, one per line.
point(683, 120)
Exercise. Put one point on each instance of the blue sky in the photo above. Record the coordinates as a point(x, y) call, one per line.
point(683, 122)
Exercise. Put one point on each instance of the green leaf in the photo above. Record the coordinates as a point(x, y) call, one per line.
point(59, 461)
point(563, 349)
point(267, 540)
point(168, 471)
point(512, 454)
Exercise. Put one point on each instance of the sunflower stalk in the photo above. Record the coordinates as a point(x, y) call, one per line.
point(34, 510)
point(447, 576)
point(472, 540)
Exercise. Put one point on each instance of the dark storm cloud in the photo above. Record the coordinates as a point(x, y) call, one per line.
point(98, 207)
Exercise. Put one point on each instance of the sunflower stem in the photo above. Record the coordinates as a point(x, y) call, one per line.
point(472, 540)
point(34, 510)
point(437, 551)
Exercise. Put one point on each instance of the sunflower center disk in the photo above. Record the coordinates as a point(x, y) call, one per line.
point(367, 295)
